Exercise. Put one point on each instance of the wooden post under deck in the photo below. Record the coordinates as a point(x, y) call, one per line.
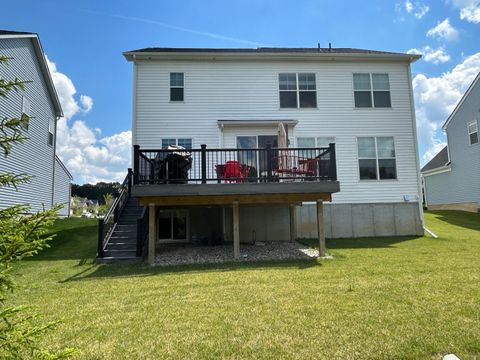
point(152, 233)
point(224, 225)
point(320, 229)
point(236, 230)
point(293, 223)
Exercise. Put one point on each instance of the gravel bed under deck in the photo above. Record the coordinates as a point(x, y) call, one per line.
point(182, 254)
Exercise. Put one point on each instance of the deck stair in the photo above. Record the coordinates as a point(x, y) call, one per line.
point(121, 232)
point(122, 244)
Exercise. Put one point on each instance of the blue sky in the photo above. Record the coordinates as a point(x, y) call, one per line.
point(85, 41)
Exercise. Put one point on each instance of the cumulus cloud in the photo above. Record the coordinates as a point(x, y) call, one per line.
point(87, 103)
point(89, 157)
point(435, 99)
point(469, 10)
point(443, 31)
point(418, 9)
point(66, 92)
point(434, 56)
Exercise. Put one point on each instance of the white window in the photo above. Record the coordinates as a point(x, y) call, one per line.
point(51, 131)
point(371, 90)
point(26, 110)
point(376, 158)
point(184, 142)
point(297, 90)
point(176, 86)
point(473, 132)
point(312, 142)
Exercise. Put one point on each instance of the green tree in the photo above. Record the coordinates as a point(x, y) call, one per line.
point(106, 203)
point(21, 236)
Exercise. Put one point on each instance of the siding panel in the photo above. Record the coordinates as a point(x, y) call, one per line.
point(462, 184)
point(35, 157)
point(248, 90)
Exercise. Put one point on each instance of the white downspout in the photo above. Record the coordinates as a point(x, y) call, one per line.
point(417, 159)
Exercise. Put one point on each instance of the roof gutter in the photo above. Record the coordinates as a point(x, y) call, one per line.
point(133, 56)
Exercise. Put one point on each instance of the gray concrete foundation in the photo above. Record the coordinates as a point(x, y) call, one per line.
point(361, 220)
point(272, 222)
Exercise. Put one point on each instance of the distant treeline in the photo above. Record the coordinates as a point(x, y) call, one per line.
point(95, 192)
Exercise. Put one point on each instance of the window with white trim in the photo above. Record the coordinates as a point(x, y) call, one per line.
point(371, 90)
point(184, 142)
point(26, 110)
point(297, 90)
point(176, 86)
point(312, 142)
point(51, 131)
point(473, 132)
point(376, 158)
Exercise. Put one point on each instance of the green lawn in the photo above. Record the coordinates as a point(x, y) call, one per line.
point(390, 298)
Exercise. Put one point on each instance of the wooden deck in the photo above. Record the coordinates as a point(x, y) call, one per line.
point(244, 193)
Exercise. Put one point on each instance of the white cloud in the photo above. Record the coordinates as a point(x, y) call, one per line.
point(418, 9)
point(88, 157)
point(469, 10)
point(435, 56)
point(408, 6)
point(66, 92)
point(87, 103)
point(421, 11)
point(443, 31)
point(435, 99)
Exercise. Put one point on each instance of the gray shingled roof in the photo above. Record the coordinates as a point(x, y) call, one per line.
point(9, 32)
point(439, 160)
point(275, 50)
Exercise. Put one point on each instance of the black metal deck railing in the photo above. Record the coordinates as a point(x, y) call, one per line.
point(201, 166)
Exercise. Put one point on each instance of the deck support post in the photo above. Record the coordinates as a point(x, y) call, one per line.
point(224, 224)
point(152, 233)
point(320, 229)
point(293, 223)
point(236, 230)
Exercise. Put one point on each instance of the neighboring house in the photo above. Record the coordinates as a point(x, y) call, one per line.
point(346, 116)
point(36, 157)
point(63, 187)
point(452, 178)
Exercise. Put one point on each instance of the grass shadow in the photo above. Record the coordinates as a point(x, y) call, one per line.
point(142, 269)
point(360, 243)
point(74, 239)
point(459, 218)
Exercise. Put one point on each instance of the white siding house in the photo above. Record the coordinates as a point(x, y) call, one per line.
point(232, 95)
point(452, 177)
point(63, 187)
point(36, 156)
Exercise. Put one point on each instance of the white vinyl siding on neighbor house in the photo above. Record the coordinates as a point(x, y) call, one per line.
point(62, 188)
point(34, 156)
point(249, 90)
point(461, 183)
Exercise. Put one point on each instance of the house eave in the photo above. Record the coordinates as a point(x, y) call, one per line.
point(321, 56)
point(459, 104)
point(439, 170)
point(43, 67)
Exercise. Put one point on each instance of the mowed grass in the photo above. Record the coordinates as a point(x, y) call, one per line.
point(389, 298)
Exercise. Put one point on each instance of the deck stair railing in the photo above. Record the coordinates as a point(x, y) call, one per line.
point(107, 224)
